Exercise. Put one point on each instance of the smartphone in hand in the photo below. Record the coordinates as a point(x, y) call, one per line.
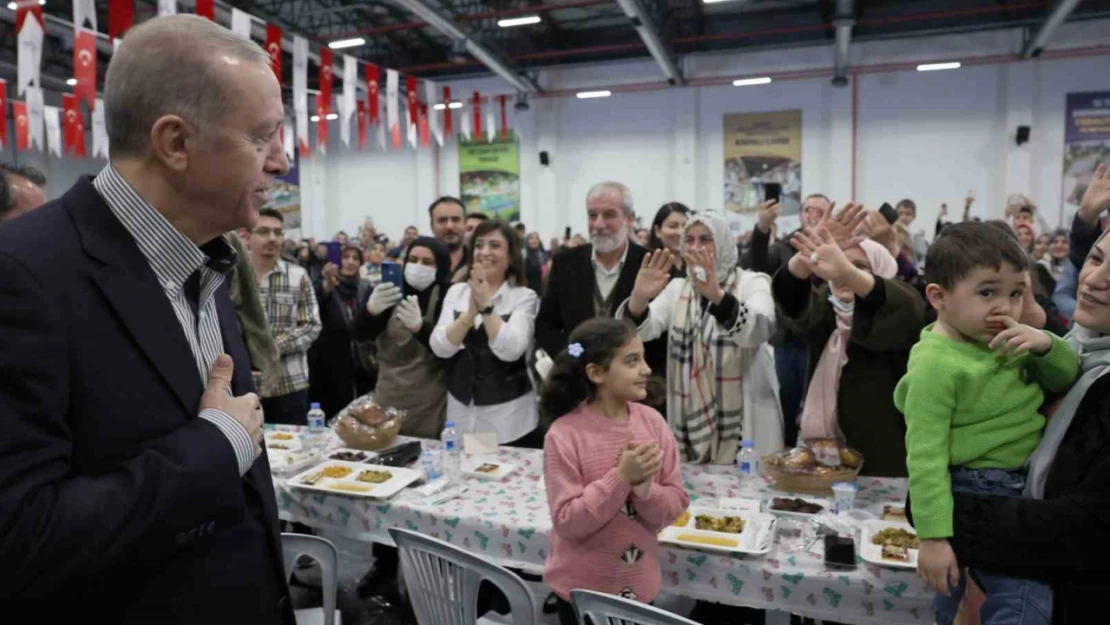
point(393, 272)
point(888, 212)
point(772, 191)
point(335, 253)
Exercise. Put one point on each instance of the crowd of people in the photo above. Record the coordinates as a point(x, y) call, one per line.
point(156, 314)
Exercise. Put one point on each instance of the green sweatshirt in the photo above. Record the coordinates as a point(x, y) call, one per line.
point(967, 407)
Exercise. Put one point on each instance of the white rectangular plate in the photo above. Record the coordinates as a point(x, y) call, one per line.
point(284, 462)
point(368, 456)
point(874, 553)
point(290, 444)
point(470, 467)
point(401, 478)
point(828, 506)
point(757, 537)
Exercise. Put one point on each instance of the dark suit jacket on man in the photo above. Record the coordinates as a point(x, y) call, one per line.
point(569, 297)
point(118, 503)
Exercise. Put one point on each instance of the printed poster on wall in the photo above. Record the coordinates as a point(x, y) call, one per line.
point(489, 178)
point(762, 148)
point(285, 197)
point(1086, 144)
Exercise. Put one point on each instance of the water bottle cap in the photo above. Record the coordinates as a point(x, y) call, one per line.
point(746, 443)
point(315, 406)
point(450, 424)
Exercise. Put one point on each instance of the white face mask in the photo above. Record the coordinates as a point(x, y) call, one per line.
point(419, 276)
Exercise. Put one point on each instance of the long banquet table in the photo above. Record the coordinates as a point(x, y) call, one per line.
point(508, 522)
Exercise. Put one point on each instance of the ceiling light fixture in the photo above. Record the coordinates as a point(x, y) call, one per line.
point(519, 21)
point(715, 1)
point(347, 43)
point(932, 67)
point(584, 95)
point(314, 118)
point(72, 82)
point(332, 116)
point(454, 105)
point(747, 82)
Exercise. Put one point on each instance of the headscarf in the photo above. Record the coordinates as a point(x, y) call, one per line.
point(728, 256)
point(1093, 349)
point(443, 271)
point(1032, 233)
point(1053, 266)
point(819, 417)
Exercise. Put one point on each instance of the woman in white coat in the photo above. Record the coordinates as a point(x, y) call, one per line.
point(721, 382)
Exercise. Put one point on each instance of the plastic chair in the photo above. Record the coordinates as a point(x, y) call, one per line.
point(443, 582)
point(293, 546)
point(606, 609)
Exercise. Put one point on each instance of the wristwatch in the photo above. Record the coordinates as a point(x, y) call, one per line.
point(488, 310)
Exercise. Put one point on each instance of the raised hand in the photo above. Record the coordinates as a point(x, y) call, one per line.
point(480, 292)
point(1096, 200)
point(706, 260)
point(825, 257)
point(654, 274)
point(385, 296)
point(330, 275)
point(768, 214)
point(1018, 338)
point(844, 224)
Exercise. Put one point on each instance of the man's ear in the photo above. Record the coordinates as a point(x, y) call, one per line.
point(170, 140)
point(936, 295)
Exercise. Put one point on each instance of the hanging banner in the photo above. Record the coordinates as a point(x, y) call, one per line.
point(424, 125)
point(410, 123)
point(1086, 144)
point(489, 178)
point(29, 25)
point(348, 104)
point(322, 108)
point(430, 113)
point(79, 136)
point(476, 103)
point(121, 13)
point(99, 131)
point(361, 116)
point(761, 148)
point(504, 118)
point(372, 88)
point(35, 121)
point(300, 92)
point(84, 14)
point(273, 48)
point(465, 131)
point(207, 8)
point(241, 23)
point(326, 61)
point(3, 114)
point(410, 97)
point(167, 7)
point(491, 127)
point(392, 118)
point(447, 129)
point(84, 66)
point(69, 122)
point(22, 126)
point(50, 115)
point(288, 137)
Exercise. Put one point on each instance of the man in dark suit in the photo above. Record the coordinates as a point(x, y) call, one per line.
point(132, 485)
point(591, 280)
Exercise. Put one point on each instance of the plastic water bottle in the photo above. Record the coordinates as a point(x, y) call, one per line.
point(315, 419)
point(747, 460)
point(452, 450)
point(430, 461)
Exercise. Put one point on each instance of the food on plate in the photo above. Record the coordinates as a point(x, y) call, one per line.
point(282, 436)
point(800, 506)
point(350, 488)
point(682, 519)
point(336, 471)
point(850, 458)
point(896, 537)
point(894, 513)
point(311, 480)
point(717, 541)
point(894, 552)
point(349, 456)
point(277, 446)
point(375, 477)
point(826, 451)
point(488, 468)
point(726, 524)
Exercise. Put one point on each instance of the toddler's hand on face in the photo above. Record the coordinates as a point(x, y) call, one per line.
point(1017, 338)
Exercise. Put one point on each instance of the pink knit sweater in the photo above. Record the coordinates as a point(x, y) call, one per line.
point(604, 536)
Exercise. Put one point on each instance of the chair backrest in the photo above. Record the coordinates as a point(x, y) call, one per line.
point(443, 582)
point(606, 609)
point(293, 546)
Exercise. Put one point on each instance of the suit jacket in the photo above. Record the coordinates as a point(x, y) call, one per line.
point(569, 297)
point(116, 500)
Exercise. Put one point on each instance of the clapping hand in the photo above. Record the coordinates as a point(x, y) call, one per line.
point(768, 213)
point(480, 293)
point(1018, 338)
point(639, 462)
point(705, 259)
point(408, 313)
point(1096, 199)
point(654, 274)
point(823, 256)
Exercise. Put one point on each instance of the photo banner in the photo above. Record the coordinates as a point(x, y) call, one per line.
point(761, 148)
point(489, 178)
point(1086, 144)
point(285, 197)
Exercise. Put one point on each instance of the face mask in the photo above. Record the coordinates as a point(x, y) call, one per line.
point(419, 276)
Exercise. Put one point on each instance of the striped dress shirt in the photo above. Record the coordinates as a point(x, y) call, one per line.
point(174, 258)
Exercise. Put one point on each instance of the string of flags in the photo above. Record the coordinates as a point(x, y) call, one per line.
point(413, 114)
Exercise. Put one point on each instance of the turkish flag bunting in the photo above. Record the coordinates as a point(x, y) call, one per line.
point(22, 8)
point(410, 93)
point(69, 121)
point(79, 137)
point(423, 124)
point(504, 118)
point(273, 48)
point(207, 8)
point(84, 66)
point(327, 60)
point(322, 109)
point(120, 15)
point(373, 91)
point(19, 115)
point(3, 113)
point(477, 114)
point(361, 124)
point(447, 111)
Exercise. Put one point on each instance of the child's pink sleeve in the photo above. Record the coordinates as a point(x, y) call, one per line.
point(667, 499)
point(578, 510)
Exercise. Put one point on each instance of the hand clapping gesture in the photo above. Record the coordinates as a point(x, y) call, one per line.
point(1096, 199)
point(823, 256)
point(655, 273)
point(639, 462)
point(480, 293)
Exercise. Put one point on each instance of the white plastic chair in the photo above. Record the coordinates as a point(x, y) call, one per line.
point(293, 546)
point(443, 581)
point(606, 609)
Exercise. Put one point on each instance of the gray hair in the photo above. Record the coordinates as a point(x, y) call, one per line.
point(602, 188)
point(165, 66)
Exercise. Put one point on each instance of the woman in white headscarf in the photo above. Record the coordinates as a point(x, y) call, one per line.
point(721, 383)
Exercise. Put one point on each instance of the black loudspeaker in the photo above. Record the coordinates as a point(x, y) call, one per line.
point(1023, 135)
point(544, 160)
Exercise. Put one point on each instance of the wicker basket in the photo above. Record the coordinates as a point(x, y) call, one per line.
point(809, 483)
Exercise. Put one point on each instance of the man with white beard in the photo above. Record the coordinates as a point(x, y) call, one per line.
point(591, 280)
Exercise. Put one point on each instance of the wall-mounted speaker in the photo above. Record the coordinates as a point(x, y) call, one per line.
point(1023, 135)
point(544, 160)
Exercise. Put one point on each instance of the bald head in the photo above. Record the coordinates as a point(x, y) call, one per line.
point(20, 190)
point(173, 65)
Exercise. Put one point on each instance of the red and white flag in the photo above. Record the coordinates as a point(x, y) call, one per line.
point(99, 131)
point(207, 8)
point(84, 14)
point(476, 105)
point(327, 59)
point(373, 89)
point(447, 121)
point(273, 48)
point(22, 126)
point(504, 118)
point(84, 66)
point(424, 131)
point(79, 137)
point(392, 116)
point(52, 118)
point(431, 115)
point(69, 121)
point(410, 97)
point(322, 111)
point(121, 13)
point(35, 117)
point(347, 104)
point(241, 23)
point(361, 117)
point(30, 26)
point(300, 92)
point(491, 125)
point(3, 113)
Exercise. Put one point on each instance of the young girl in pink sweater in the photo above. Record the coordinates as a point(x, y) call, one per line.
point(611, 467)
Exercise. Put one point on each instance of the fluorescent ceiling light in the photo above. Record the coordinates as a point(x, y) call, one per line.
point(332, 116)
point(932, 67)
point(582, 95)
point(746, 82)
point(72, 82)
point(347, 43)
point(314, 118)
point(454, 105)
point(13, 6)
point(519, 21)
point(715, 1)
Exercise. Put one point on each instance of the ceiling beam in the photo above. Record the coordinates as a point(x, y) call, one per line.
point(490, 59)
point(659, 50)
point(1060, 13)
